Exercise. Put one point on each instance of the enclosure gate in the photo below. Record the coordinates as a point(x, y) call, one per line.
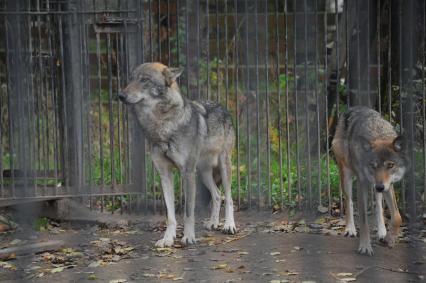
point(284, 70)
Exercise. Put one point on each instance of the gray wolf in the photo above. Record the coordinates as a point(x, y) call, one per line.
point(366, 146)
point(196, 137)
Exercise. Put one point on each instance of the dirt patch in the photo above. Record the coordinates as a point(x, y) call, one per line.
point(267, 248)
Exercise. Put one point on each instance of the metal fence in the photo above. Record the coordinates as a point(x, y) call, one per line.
point(284, 69)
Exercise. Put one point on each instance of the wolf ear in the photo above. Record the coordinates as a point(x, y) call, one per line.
point(398, 143)
point(171, 74)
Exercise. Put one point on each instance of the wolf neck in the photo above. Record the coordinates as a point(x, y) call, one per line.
point(161, 123)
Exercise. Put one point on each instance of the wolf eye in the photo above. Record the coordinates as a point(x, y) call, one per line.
point(373, 165)
point(143, 80)
point(390, 165)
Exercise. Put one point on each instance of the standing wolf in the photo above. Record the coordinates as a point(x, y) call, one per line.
point(367, 146)
point(195, 137)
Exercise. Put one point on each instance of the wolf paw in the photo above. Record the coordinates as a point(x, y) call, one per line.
point(229, 228)
point(188, 240)
point(165, 242)
point(365, 249)
point(350, 231)
point(390, 240)
point(211, 225)
point(381, 234)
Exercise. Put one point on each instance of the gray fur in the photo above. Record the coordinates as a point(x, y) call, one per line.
point(197, 137)
point(367, 146)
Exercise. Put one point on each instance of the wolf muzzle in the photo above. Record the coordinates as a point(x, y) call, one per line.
point(123, 97)
point(380, 187)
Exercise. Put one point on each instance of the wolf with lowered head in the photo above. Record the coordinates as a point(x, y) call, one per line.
point(196, 137)
point(366, 146)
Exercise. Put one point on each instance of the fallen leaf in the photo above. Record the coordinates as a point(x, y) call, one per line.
point(275, 253)
point(7, 265)
point(348, 279)
point(118, 281)
point(322, 209)
point(344, 274)
point(280, 260)
point(15, 242)
point(57, 269)
point(220, 266)
point(297, 248)
point(95, 263)
point(243, 253)
point(92, 277)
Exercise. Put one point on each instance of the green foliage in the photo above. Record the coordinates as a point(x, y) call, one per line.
point(40, 224)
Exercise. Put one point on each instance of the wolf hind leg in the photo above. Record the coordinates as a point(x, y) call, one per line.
point(209, 182)
point(225, 172)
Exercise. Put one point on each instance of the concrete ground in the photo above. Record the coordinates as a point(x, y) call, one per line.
point(267, 248)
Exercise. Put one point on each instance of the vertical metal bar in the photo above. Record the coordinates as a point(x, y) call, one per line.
point(256, 31)
point(169, 60)
point(88, 110)
point(423, 54)
point(217, 52)
point(287, 108)
point(159, 29)
point(296, 101)
point(307, 123)
point(278, 83)
point(208, 48)
point(336, 19)
point(178, 59)
point(237, 106)
point(65, 167)
point(226, 55)
point(347, 35)
point(338, 80)
point(54, 99)
point(101, 145)
point(268, 142)
point(2, 192)
point(43, 94)
point(151, 50)
point(249, 194)
point(119, 108)
point(400, 96)
point(110, 111)
point(317, 107)
point(197, 15)
point(154, 188)
point(327, 141)
point(368, 57)
point(379, 65)
point(31, 108)
point(187, 46)
point(390, 62)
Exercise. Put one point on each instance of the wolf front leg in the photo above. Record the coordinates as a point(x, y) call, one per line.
point(364, 233)
point(381, 228)
point(164, 168)
point(392, 236)
point(346, 184)
point(188, 218)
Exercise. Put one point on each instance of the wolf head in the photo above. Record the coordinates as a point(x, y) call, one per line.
point(152, 85)
point(385, 161)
